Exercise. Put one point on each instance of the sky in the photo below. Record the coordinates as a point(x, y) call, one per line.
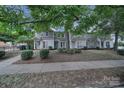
point(26, 10)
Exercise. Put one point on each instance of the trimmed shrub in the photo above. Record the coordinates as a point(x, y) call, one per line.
point(44, 53)
point(120, 44)
point(85, 48)
point(70, 51)
point(62, 50)
point(2, 53)
point(26, 54)
point(97, 48)
point(77, 51)
point(50, 48)
point(120, 51)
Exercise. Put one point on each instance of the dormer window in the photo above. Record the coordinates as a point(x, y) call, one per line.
point(58, 35)
point(63, 35)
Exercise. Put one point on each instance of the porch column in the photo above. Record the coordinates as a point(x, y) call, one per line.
point(100, 44)
point(70, 40)
point(34, 45)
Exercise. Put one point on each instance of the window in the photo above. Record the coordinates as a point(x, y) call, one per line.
point(58, 35)
point(46, 33)
point(38, 43)
point(62, 44)
point(63, 35)
point(98, 43)
point(43, 44)
point(79, 44)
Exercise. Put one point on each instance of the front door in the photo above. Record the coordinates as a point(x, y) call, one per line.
point(56, 44)
point(43, 44)
point(107, 44)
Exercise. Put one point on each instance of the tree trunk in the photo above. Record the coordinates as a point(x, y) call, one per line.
point(116, 40)
point(68, 42)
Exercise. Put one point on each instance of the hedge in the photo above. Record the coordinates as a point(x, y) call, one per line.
point(26, 54)
point(69, 51)
point(120, 51)
point(44, 53)
point(2, 53)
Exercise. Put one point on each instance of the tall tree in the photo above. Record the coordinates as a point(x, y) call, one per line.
point(45, 17)
point(111, 19)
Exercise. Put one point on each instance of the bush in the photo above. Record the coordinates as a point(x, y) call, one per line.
point(77, 51)
point(120, 44)
point(97, 48)
point(120, 51)
point(50, 47)
point(85, 48)
point(26, 54)
point(62, 50)
point(2, 53)
point(44, 53)
point(70, 51)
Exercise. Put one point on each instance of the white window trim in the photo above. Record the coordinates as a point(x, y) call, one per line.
point(63, 35)
point(62, 44)
point(58, 35)
point(108, 43)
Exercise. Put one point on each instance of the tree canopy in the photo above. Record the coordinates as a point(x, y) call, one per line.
point(76, 19)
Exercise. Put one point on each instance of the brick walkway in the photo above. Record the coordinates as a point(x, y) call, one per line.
point(7, 67)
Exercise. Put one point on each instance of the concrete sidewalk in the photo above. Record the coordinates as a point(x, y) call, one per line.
point(9, 61)
point(61, 66)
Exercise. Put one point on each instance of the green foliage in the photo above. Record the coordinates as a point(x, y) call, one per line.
point(44, 53)
point(6, 38)
point(121, 44)
point(120, 51)
point(85, 48)
point(13, 22)
point(62, 50)
point(56, 16)
point(97, 48)
point(50, 47)
point(77, 50)
point(2, 53)
point(24, 39)
point(26, 54)
point(69, 51)
point(9, 18)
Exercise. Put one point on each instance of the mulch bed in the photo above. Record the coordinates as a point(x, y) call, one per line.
point(84, 56)
point(65, 79)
